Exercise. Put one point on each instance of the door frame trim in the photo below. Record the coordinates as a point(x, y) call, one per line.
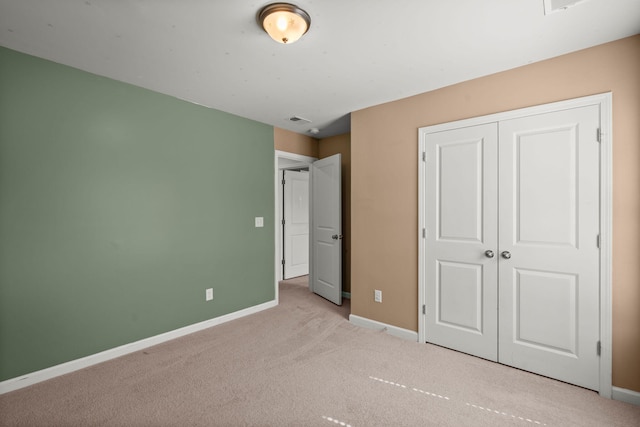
point(303, 160)
point(604, 101)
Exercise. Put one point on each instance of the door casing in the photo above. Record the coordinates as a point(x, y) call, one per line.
point(604, 101)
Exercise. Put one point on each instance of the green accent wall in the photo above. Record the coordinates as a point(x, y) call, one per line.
point(118, 208)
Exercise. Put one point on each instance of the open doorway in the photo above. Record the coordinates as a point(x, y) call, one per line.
point(323, 242)
point(285, 161)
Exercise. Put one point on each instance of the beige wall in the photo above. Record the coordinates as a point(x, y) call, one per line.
point(291, 142)
point(328, 147)
point(384, 141)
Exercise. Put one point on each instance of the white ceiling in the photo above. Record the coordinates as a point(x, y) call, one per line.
point(357, 53)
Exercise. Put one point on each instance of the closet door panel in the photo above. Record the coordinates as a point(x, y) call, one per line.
point(549, 224)
point(461, 219)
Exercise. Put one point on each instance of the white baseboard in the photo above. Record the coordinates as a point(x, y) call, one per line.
point(84, 362)
point(390, 329)
point(624, 395)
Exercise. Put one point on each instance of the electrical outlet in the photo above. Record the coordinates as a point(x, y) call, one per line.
point(377, 296)
point(259, 221)
point(209, 294)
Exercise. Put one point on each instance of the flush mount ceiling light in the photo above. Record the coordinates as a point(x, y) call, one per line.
point(284, 22)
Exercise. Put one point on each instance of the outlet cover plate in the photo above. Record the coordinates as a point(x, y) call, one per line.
point(209, 294)
point(377, 296)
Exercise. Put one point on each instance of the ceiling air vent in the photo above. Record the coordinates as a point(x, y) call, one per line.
point(298, 119)
point(552, 6)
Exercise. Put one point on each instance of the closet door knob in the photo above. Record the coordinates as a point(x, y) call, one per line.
point(489, 253)
point(506, 254)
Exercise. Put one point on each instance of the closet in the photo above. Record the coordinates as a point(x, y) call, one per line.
point(510, 215)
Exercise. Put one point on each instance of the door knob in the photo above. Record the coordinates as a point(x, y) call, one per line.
point(506, 254)
point(489, 253)
point(336, 236)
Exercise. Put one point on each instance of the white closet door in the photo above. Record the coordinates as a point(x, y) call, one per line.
point(549, 256)
point(461, 222)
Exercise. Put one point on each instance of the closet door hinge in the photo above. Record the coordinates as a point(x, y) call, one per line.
point(283, 222)
point(599, 135)
point(282, 262)
point(599, 348)
point(424, 156)
point(424, 309)
point(424, 233)
point(283, 181)
point(598, 241)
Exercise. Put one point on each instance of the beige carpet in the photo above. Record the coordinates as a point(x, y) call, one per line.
point(303, 364)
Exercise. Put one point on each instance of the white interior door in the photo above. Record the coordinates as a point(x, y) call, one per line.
point(461, 220)
point(527, 189)
point(296, 223)
point(325, 275)
point(549, 228)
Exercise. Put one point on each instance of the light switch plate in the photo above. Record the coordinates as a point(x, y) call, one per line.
point(259, 221)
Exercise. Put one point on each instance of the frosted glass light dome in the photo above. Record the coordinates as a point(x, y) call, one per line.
point(284, 22)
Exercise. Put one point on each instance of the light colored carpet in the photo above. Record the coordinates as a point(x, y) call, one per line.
point(303, 364)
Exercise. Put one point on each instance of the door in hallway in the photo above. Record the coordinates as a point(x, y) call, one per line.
point(296, 223)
